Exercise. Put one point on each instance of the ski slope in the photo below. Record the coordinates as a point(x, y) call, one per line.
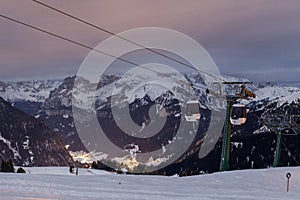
point(57, 183)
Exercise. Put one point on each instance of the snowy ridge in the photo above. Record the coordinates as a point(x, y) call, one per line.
point(126, 88)
point(262, 129)
point(33, 91)
point(288, 99)
point(277, 93)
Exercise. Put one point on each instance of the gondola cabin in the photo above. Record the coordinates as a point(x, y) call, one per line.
point(238, 115)
point(192, 112)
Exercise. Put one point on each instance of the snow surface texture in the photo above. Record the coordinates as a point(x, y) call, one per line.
point(58, 183)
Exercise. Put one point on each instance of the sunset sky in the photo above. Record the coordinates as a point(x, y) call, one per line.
point(257, 39)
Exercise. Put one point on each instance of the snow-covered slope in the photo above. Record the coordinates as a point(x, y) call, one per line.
point(57, 183)
point(27, 141)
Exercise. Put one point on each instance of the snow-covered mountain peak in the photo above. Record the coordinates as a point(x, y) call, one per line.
point(279, 94)
point(274, 91)
point(32, 91)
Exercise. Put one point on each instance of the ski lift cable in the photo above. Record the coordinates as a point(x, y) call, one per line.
point(82, 45)
point(89, 47)
point(137, 44)
point(75, 42)
point(125, 39)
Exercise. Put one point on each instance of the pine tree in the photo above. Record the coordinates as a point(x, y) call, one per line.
point(2, 169)
point(10, 166)
point(7, 166)
point(94, 165)
point(21, 170)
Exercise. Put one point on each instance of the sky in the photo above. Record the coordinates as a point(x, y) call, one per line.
point(257, 39)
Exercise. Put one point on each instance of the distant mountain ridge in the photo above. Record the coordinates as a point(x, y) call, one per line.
point(33, 91)
point(27, 95)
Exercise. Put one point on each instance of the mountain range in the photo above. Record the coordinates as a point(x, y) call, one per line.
point(253, 144)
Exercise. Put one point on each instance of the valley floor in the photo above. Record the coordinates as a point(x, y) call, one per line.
point(57, 183)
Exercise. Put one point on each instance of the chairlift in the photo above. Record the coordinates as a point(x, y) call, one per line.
point(238, 115)
point(192, 111)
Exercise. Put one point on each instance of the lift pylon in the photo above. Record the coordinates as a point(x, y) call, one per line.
point(244, 94)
